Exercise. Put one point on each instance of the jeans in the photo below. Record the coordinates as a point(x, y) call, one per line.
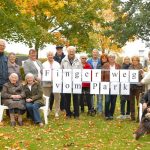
point(33, 109)
point(125, 99)
point(99, 103)
point(110, 104)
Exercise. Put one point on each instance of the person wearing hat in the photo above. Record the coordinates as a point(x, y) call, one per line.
point(59, 55)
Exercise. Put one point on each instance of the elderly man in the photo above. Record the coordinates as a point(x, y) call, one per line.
point(71, 62)
point(3, 65)
point(32, 65)
point(110, 100)
point(95, 62)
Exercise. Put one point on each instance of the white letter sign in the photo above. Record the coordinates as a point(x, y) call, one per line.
point(46, 75)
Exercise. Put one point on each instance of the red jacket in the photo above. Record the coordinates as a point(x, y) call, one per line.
point(86, 66)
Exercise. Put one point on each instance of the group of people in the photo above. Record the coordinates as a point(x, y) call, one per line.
point(29, 96)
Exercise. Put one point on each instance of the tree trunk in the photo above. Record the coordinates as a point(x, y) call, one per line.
point(37, 45)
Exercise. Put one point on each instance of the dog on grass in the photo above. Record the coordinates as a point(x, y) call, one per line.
point(144, 126)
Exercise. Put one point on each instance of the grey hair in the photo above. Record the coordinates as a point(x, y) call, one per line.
point(13, 74)
point(95, 50)
point(3, 41)
point(50, 52)
point(71, 48)
point(12, 53)
point(29, 75)
point(83, 55)
point(111, 55)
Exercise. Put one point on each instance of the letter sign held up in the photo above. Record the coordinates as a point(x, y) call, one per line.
point(134, 76)
point(114, 75)
point(124, 75)
point(94, 88)
point(96, 75)
point(46, 75)
point(86, 75)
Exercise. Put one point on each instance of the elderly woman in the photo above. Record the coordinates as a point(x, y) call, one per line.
point(124, 99)
point(135, 89)
point(110, 100)
point(12, 66)
point(85, 87)
point(34, 98)
point(47, 86)
point(13, 96)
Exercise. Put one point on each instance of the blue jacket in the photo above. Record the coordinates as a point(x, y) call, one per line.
point(99, 64)
point(3, 70)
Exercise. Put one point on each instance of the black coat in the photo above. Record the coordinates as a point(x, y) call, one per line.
point(3, 69)
point(59, 59)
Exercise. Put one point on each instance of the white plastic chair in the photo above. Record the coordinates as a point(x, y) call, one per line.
point(43, 108)
point(2, 108)
point(140, 111)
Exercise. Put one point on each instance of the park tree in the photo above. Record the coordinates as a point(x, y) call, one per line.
point(131, 21)
point(40, 22)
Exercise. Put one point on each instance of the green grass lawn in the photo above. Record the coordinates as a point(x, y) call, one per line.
point(83, 134)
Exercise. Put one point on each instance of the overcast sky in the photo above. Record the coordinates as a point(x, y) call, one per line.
point(132, 48)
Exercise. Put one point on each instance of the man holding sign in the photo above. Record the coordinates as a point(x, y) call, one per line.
point(70, 62)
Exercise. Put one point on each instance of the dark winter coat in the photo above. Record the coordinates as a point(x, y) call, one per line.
point(59, 59)
point(11, 89)
point(3, 69)
point(36, 93)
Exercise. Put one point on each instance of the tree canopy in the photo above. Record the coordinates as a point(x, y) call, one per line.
point(86, 24)
point(132, 21)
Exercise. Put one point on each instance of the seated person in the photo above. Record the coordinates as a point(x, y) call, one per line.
point(13, 96)
point(34, 98)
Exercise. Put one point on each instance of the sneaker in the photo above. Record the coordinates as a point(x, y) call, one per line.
point(13, 123)
point(56, 115)
point(107, 118)
point(121, 117)
point(41, 124)
point(111, 117)
point(127, 116)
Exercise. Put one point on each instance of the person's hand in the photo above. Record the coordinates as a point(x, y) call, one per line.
point(141, 72)
point(38, 79)
point(18, 96)
point(148, 109)
point(144, 105)
point(14, 96)
point(28, 100)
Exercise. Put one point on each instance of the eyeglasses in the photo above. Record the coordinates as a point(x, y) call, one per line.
point(83, 58)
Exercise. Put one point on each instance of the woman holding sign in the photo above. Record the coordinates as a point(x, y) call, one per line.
point(110, 99)
point(135, 89)
point(50, 64)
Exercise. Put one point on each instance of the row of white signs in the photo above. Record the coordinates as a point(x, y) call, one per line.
point(88, 75)
point(114, 88)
